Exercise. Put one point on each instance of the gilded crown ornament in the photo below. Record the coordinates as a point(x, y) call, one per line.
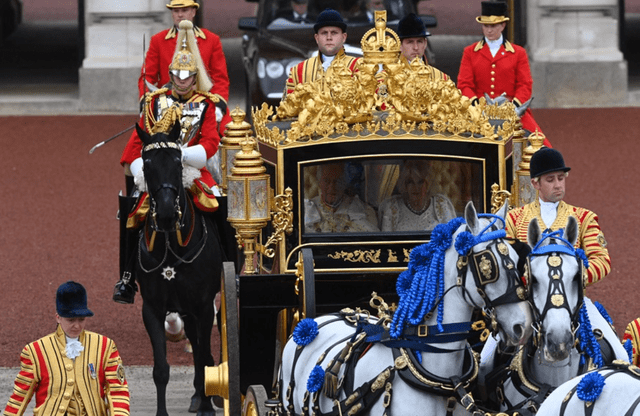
point(402, 98)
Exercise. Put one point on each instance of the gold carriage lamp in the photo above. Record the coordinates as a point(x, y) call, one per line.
point(248, 187)
point(235, 133)
point(523, 191)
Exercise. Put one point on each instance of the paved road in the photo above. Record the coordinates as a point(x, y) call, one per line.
point(141, 388)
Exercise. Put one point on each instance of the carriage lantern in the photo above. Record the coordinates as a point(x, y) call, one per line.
point(524, 192)
point(235, 133)
point(248, 197)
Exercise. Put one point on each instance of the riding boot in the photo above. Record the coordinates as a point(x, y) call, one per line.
point(126, 288)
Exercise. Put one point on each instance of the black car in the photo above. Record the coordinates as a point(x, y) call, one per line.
point(272, 45)
point(10, 17)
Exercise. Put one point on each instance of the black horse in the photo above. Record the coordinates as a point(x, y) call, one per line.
point(179, 265)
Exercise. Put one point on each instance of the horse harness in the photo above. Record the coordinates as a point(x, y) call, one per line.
point(151, 227)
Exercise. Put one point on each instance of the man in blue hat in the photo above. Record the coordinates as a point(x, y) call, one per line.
point(330, 35)
point(548, 176)
point(72, 371)
point(413, 37)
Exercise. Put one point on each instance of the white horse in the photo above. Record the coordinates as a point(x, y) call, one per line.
point(417, 361)
point(562, 315)
point(611, 390)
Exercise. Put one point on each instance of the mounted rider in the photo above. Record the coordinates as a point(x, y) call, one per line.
point(188, 101)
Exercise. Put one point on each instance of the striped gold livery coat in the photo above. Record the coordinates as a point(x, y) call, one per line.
point(94, 381)
point(311, 69)
point(590, 238)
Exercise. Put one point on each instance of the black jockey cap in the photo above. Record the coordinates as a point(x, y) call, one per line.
point(329, 17)
point(411, 26)
point(547, 160)
point(71, 301)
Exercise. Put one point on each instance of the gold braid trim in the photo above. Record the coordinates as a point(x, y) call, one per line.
point(169, 118)
point(150, 118)
point(213, 97)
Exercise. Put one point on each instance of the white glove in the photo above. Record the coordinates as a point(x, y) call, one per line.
point(136, 167)
point(194, 156)
point(218, 114)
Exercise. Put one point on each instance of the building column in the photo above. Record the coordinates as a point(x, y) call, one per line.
point(575, 54)
point(114, 33)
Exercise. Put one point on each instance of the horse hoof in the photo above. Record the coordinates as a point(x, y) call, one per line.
point(195, 404)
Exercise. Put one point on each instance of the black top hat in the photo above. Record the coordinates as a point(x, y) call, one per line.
point(493, 12)
point(411, 26)
point(71, 301)
point(329, 17)
point(546, 160)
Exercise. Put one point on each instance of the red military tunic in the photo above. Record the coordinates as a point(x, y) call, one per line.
point(508, 72)
point(160, 54)
point(590, 237)
point(311, 69)
point(198, 113)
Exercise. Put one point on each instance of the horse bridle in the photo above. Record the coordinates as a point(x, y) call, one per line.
point(556, 293)
point(485, 270)
point(162, 186)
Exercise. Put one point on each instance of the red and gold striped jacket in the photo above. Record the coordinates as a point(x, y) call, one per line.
point(590, 237)
point(45, 370)
point(311, 69)
point(633, 333)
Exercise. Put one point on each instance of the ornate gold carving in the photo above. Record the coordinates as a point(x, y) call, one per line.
point(411, 98)
point(557, 300)
point(282, 220)
point(516, 364)
point(358, 256)
point(498, 196)
point(554, 261)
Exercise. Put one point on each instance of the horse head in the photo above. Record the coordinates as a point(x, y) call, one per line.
point(555, 286)
point(487, 266)
point(161, 155)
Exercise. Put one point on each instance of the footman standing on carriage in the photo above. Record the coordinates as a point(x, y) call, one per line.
point(413, 43)
point(72, 371)
point(495, 66)
point(188, 101)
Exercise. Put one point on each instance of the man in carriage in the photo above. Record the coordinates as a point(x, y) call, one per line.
point(330, 35)
point(188, 101)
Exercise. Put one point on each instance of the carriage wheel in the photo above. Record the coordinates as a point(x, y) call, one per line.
point(254, 402)
point(224, 379)
point(309, 286)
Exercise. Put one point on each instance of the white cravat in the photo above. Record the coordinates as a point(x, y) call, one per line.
point(548, 212)
point(74, 347)
point(326, 61)
point(494, 45)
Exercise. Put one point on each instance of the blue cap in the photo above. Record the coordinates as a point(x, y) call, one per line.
point(329, 17)
point(71, 301)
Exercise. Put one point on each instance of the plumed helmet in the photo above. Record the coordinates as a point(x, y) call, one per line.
point(546, 160)
point(329, 17)
point(71, 301)
point(187, 60)
point(493, 12)
point(411, 26)
point(179, 4)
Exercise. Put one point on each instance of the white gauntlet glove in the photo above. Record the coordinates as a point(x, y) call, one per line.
point(218, 115)
point(194, 156)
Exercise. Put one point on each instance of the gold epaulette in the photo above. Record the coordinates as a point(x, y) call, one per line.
point(213, 97)
point(509, 47)
point(479, 46)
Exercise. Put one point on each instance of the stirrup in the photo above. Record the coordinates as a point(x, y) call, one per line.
point(125, 290)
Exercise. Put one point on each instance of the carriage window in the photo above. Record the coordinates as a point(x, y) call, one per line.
point(411, 194)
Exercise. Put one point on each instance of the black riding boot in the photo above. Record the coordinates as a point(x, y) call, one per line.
point(126, 288)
